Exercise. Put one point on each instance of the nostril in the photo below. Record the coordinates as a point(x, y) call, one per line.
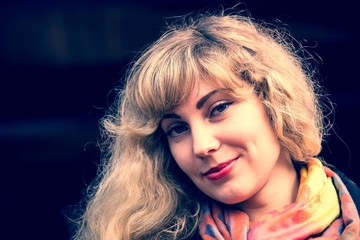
point(204, 140)
point(205, 148)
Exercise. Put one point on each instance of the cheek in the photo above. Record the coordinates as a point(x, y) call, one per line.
point(182, 155)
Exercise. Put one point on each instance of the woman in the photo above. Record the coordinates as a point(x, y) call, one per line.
point(216, 136)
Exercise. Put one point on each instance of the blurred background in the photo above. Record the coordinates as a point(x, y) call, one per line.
point(61, 60)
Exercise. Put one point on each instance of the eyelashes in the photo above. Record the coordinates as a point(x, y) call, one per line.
point(219, 108)
point(180, 128)
point(177, 130)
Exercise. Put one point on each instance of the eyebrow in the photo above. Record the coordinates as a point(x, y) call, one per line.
point(202, 100)
point(170, 115)
point(199, 105)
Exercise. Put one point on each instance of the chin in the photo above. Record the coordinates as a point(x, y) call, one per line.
point(231, 201)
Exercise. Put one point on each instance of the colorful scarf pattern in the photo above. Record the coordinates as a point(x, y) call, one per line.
point(323, 209)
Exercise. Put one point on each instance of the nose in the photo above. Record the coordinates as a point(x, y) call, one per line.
point(205, 141)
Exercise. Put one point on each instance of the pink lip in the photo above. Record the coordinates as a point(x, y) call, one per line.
point(220, 170)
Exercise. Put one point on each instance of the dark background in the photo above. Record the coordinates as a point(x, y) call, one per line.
point(60, 60)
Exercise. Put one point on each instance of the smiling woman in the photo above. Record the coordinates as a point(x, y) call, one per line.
point(217, 135)
point(221, 142)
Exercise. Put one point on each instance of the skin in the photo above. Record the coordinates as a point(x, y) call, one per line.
point(213, 129)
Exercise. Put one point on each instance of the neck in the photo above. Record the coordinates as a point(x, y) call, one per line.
point(281, 190)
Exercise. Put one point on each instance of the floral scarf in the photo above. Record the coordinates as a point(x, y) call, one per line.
point(323, 209)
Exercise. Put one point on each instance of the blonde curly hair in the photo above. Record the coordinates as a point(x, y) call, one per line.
point(141, 193)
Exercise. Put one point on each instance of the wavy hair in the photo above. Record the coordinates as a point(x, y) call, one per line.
point(141, 193)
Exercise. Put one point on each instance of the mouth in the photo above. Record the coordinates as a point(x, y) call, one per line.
point(221, 170)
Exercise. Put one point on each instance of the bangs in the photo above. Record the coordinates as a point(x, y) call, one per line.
point(165, 78)
point(220, 70)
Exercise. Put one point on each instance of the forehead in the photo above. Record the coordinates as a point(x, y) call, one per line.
point(198, 95)
point(181, 95)
point(202, 88)
point(203, 91)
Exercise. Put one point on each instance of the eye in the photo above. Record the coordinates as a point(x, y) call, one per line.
point(220, 108)
point(177, 130)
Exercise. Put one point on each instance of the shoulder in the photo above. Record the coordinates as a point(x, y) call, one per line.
point(351, 186)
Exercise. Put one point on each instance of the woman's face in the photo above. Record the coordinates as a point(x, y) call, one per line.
point(226, 146)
